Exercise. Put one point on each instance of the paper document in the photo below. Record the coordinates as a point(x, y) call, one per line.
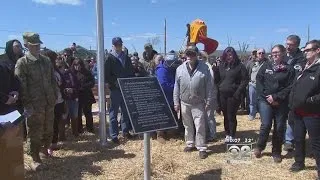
point(10, 117)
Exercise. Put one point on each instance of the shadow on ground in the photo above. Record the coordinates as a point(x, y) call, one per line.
point(214, 174)
point(73, 167)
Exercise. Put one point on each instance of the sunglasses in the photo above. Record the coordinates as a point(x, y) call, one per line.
point(261, 52)
point(191, 54)
point(309, 50)
point(118, 45)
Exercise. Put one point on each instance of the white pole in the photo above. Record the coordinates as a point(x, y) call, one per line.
point(101, 83)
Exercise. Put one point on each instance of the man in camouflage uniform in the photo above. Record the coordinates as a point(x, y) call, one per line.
point(38, 97)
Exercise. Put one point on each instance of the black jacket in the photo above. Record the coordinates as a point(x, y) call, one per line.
point(231, 79)
point(86, 81)
point(114, 70)
point(305, 92)
point(298, 62)
point(273, 82)
point(8, 83)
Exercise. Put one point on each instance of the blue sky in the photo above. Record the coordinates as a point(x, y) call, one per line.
point(61, 22)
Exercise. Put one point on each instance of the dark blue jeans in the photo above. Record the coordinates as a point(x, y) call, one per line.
point(116, 102)
point(276, 116)
point(289, 137)
point(253, 101)
point(301, 126)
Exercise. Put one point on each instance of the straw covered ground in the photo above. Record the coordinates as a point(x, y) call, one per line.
point(85, 159)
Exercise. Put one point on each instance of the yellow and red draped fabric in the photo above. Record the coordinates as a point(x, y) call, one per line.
point(198, 34)
point(197, 27)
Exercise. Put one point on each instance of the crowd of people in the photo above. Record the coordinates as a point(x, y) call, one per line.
point(53, 90)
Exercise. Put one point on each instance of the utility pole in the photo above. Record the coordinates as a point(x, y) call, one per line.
point(308, 33)
point(165, 36)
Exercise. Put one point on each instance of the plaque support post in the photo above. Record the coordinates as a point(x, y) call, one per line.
point(147, 164)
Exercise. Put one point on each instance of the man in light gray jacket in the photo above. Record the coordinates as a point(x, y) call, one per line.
point(253, 71)
point(193, 89)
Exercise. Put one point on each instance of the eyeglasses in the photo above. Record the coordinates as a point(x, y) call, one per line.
point(275, 52)
point(191, 54)
point(118, 45)
point(18, 46)
point(309, 50)
point(261, 52)
point(291, 44)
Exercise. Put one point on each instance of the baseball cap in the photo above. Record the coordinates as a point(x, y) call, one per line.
point(31, 38)
point(148, 45)
point(191, 49)
point(116, 41)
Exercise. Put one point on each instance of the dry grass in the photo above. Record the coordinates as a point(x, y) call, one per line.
point(85, 159)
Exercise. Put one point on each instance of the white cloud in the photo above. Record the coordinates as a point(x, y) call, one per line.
point(86, 42)
point(54, 2)
point(14, 36)
point(282, 30)
point(251, 38)
point(52, 18)
point(148, 35)
point(128, 38)
point(154, 1)
point(141, 36)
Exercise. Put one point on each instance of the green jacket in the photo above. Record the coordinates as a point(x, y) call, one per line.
point(38, 85)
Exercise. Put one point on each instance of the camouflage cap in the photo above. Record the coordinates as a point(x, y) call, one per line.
point(148, 45)
point(31, 38)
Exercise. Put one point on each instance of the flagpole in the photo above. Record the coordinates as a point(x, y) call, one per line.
point(165, 36)
point(308, 33)
point(101, 80)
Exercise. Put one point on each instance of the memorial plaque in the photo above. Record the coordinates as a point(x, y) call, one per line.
point(146, 104)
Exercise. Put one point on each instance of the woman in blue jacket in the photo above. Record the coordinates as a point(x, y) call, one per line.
point(166, 77)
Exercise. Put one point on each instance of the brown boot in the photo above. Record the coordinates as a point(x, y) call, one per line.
point(36, 164)
point(36, 157)
point(161, 137)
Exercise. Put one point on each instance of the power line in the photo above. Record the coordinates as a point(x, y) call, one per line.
point(86, 35)
point(142, 35)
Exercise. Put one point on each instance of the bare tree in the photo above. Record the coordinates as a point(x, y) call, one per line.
point(243, 48)
point(154, 41)
point(271, 46)
point(229, 40)
point(255, 47)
